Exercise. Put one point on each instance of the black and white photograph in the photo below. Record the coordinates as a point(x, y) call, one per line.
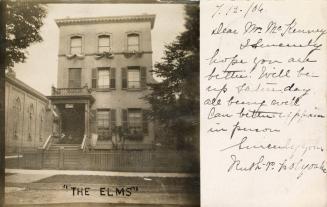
point(102, 104)
point(163, 103)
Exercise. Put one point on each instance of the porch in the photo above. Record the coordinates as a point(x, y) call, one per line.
point(73, 108)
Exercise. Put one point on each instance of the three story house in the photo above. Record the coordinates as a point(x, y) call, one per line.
point(104, 66)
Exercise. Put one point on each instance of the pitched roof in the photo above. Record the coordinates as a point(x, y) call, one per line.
point(23, 86)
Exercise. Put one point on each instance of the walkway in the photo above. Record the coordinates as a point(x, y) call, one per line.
point(40, 187)
point(102, 173)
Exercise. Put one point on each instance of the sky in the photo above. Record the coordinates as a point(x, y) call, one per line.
point(40, 69)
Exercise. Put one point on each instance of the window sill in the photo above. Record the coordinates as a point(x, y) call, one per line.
point(129, 54)
point(134, 137)
point(71, 56)
point(133, 89)
point(100, 55)
point(103, 89)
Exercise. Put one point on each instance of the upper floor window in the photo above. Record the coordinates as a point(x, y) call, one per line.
point(103, 78)
point(134, 78)
point(103, 43)
point(133, 42)
point(76, 45)
point(74, 78)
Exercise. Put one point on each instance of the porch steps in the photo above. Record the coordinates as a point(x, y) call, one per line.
point(103, 145)
point(71, 147)
point(71, 154)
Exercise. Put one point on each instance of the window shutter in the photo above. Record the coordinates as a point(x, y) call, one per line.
point(143, 77)
point(145, 121)
point(94, 77)
point(93, 121)
point(112, 78)
point(78, 78)
point(74, 77)
point(124, 113)
point(113, 119)
point(124, 78)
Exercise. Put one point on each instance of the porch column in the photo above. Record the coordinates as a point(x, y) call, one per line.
point(86, 119)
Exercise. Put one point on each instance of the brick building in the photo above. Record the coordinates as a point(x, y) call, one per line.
point(28, 116)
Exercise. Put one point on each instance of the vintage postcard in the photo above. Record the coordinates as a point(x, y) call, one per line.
point(102, 104)
point(133, 103)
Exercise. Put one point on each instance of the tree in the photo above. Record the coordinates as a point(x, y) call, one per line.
point(23, 23)
point(175, 100)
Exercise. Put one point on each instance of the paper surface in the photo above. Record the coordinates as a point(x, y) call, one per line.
point(263, 103)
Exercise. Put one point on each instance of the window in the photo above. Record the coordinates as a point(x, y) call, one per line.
point(41, 125)
point(103, 43)
point(16, 118)
point(103, 124)
point(30, 121)
point(134, 79)
point(103, 78)
point(76, 45)
point(106, 121)
point(74, 78)
point(135, 121)
point(133, 42)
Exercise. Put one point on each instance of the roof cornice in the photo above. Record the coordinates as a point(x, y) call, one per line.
point(112, 19)
point(23, 86)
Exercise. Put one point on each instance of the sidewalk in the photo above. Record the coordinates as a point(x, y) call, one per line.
point(103, 173)
point(38, 187)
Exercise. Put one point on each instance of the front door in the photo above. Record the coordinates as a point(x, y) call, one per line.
point(73, 123)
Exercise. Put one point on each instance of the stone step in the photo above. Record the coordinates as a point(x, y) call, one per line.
point(56, 147)
point(65, 147)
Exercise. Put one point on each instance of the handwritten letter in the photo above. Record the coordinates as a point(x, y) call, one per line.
point(263, 103)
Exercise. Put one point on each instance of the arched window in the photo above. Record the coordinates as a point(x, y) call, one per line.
point(30, 121)
point(133, 42)
point(16, 117)
point(103, 43)
point(42, 114)
point(76, 45)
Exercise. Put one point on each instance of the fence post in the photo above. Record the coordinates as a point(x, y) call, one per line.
point(18, 161)
point(61, 157)
point(42, 158)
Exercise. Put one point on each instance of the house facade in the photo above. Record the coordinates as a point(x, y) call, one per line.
point(28, 116)
point(104, 66)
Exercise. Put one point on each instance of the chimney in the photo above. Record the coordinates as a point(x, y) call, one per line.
point(11, 73)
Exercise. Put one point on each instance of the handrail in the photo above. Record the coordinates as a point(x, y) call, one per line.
point(46, 143)
point(71, 91)
point(83, 142)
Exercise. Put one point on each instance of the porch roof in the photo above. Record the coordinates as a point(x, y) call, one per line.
point(71, 95)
